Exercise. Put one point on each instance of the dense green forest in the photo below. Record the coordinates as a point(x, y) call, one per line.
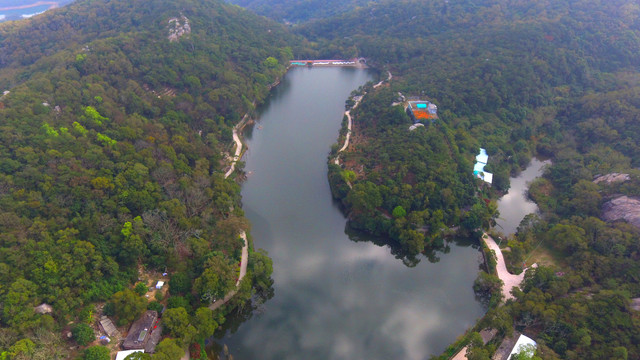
point(113, 135)
point(119, 115)
point(519, 78)
point(294, 11)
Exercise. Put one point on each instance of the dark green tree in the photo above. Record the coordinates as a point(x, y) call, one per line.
point(83, 334)
point(97, 353)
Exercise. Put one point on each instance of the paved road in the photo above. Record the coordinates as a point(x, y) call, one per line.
point(461, 355)
point(507, 278)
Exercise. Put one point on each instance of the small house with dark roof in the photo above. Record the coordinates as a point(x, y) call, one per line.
point(141, 331)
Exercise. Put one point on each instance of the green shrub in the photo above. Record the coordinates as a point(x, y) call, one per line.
point(155, 306)
point(83, 334)
point(140, 288)
point(97, 353)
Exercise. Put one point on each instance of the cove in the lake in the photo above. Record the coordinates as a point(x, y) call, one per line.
point(515, 205)
point(334, 298)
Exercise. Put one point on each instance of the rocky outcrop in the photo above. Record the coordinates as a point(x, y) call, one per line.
point(623, 208)
point(178, 27)
point(43, 309)
point(612, 178)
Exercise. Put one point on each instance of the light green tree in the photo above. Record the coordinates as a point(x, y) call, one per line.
point(168, 349)
point(205, 322)
point(97, 353)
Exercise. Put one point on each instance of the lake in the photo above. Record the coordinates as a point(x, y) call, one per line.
point(515, 205)
point(27, 8)
point(335, 298)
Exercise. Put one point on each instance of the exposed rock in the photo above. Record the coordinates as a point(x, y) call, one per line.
point(635, 304)
point(43, 309)
point(612, 178)
point(178, 28)
point(623, 208)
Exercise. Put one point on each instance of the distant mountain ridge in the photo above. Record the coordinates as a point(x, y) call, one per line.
point(295, 11)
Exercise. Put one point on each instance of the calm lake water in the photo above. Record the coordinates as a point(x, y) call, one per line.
point(515, 205)
point(335, 298)
point(22, 13)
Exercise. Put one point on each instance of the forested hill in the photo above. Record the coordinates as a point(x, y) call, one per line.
point(293, 11)
point(114, 117)
point(494, 68)
point(520, 78)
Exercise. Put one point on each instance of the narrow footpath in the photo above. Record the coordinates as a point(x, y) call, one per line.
point(243, 272)
point(236, 139)
point(245, 249)
point(346, 140)
point(349, 120)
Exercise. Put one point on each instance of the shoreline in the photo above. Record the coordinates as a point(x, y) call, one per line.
point(350, 120)
point(52, 5)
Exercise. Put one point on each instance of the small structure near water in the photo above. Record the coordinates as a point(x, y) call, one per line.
point(352, 62)
point(478, 170)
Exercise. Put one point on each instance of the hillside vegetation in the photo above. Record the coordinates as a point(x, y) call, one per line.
point(519, 78)
point(111, 158)
point(294, 11)
point(119, 115)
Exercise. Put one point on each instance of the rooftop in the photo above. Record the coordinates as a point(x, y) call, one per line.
point(521, 344)
point(482, 157)
point(478, 169)
point(121, 355)
point(108, 327)
point(139, 332)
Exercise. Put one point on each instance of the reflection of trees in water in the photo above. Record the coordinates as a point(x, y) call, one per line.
point(235, 318)
point(437, 247)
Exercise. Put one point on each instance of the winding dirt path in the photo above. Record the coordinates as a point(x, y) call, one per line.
point(236, 156)
point(382, 81)
point(346, 140)
point(507, 278)
point(243, 271)
point(349, 120)
point(245, 249)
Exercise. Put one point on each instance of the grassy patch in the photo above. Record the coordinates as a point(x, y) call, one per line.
point(546, 257)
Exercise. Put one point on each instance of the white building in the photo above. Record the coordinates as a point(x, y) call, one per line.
point(123, 354)
point(522, 344)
